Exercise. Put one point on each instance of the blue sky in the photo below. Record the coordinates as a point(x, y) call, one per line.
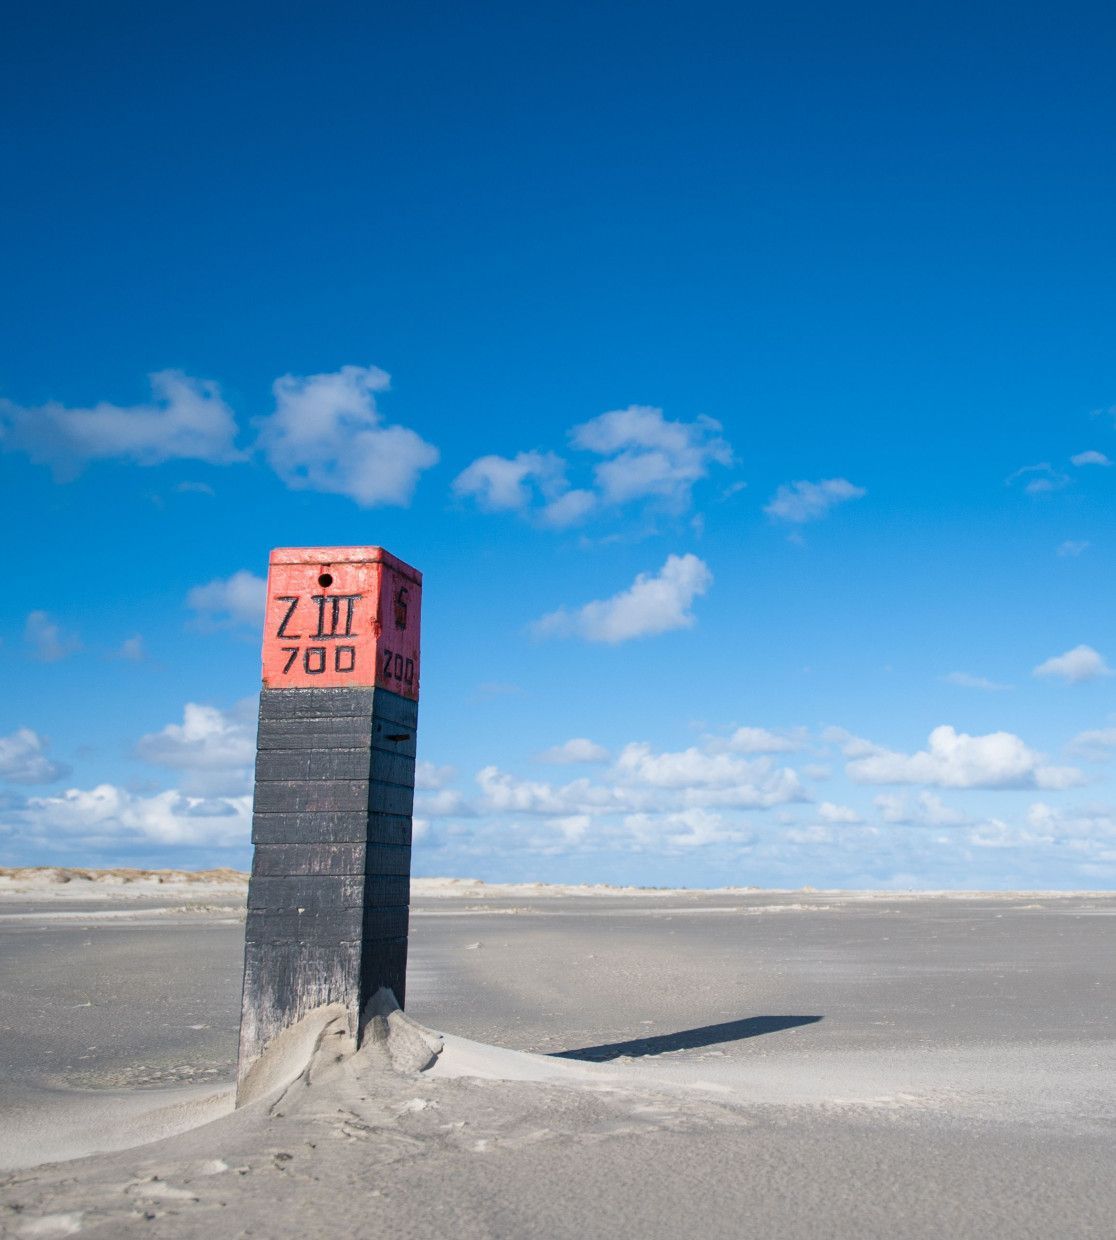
point(741, 380)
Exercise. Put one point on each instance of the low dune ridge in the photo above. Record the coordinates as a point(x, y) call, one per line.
point(43, 875)
point(83, 881)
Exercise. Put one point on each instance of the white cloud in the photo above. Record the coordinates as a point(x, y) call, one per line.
point(214, 749)
point(975, 682)
point(652, 604)
point(647, 801)
point(892, 807)
point(1098, 821)
point(995, 833)
point(1072, 547)
point(851, 746)
point(186, 419)
point(811, 837)
point(573, 828)
point(654, 807)
point(132, 649)
point(442, 803)
point(24, 760)
point(1075, 666)
point(799, 502)
point(326, 434)
point(109, 816)
point(648, 783)
point(578, 749)
point(505, 793)
point(520, 483)
point(430, 777)
point(929, 810)
point(1086, 833)
point(697, 777)
point(1091, 457)
point(760, 740)
point(1097, 745)
point(49, 642)
point(743, 821)
point(499, 483)
point(829, 812)
point(697, 828)
point(568, 509)
point(674, 834)
point(650, 456)
point(207, 739)
point(229, 601)
point(956, 760)
point(1041, 479)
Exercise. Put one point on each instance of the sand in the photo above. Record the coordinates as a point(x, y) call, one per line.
point(578, 1063)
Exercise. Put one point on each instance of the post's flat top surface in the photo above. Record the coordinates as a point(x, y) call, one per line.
point(325, 556)
point(341, 617)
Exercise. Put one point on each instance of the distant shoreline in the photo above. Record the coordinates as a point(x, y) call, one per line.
point(84, 882)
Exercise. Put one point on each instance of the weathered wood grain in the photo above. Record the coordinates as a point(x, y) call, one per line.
point(330, 886)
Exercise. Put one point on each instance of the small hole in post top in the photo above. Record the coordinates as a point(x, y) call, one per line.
point(326, 579)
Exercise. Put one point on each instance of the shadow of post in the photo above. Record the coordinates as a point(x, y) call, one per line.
point(689, 1039)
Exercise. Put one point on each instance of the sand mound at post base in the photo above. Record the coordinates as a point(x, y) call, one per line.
point(62, 1125)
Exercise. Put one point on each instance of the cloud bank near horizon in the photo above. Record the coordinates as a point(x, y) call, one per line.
point(738, 799)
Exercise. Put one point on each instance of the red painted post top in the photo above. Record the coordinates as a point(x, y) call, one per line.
point(341, 616)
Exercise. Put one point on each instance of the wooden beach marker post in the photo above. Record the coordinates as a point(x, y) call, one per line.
point(335, 778)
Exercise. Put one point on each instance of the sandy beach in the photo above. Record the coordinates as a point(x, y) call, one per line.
point(573, 1062)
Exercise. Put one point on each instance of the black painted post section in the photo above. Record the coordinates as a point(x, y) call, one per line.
point(329, 890)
